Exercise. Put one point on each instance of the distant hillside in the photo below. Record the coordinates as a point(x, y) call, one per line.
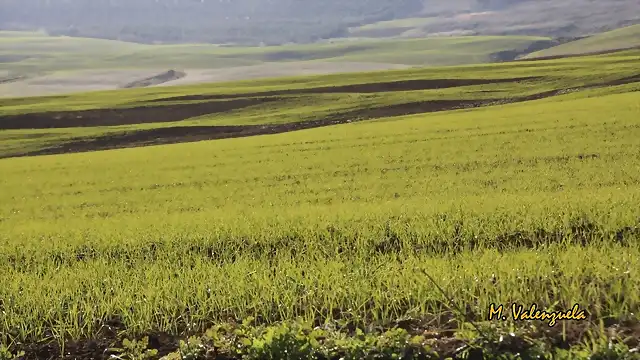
point(624, 38)
point(211, 21)
point(558, 19)
point(31, 53)
point(36, 64)
point(271, 22)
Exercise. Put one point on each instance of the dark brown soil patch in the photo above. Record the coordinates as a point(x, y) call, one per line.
point(177, 112)
point(623, 81)
point(170, 113)
point(439, 330)
point(405, 85)
point(125, 116)
point(171, 135)
point(409, 109)
point(100, 347)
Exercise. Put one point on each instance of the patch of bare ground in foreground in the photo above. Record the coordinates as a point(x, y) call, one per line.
point(439, 331)
point(180, 134)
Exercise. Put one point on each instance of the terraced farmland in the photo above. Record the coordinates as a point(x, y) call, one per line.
point(408, 201)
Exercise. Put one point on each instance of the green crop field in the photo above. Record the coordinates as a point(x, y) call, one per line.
point(623, 38)
point(49, 124)
point(386, 236)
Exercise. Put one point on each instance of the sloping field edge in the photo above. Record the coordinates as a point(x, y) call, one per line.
point(182, 134)
point(565, 56)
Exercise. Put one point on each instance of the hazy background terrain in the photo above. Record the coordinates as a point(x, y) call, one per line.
point(271, 22)
point(63, 46)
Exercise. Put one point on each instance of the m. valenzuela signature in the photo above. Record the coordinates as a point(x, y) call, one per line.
point(519, 313)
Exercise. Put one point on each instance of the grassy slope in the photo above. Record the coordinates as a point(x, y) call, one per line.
point(61, 53)
point(623, 38)
point(338, 220)
point(557, 74)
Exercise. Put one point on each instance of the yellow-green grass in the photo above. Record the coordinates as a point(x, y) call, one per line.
point(623, 38)
point(534, 202)
point(294, 107)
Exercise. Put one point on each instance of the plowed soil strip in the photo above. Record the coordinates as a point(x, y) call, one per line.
point(127, 116)
point(405, 85)
point(177, 112)
point(172, 135)
point(181, 134)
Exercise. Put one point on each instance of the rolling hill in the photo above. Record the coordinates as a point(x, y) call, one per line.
point(379, 215)
point(53, 65)
point(623, 38)
point(133, 117)
point(274, 22)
